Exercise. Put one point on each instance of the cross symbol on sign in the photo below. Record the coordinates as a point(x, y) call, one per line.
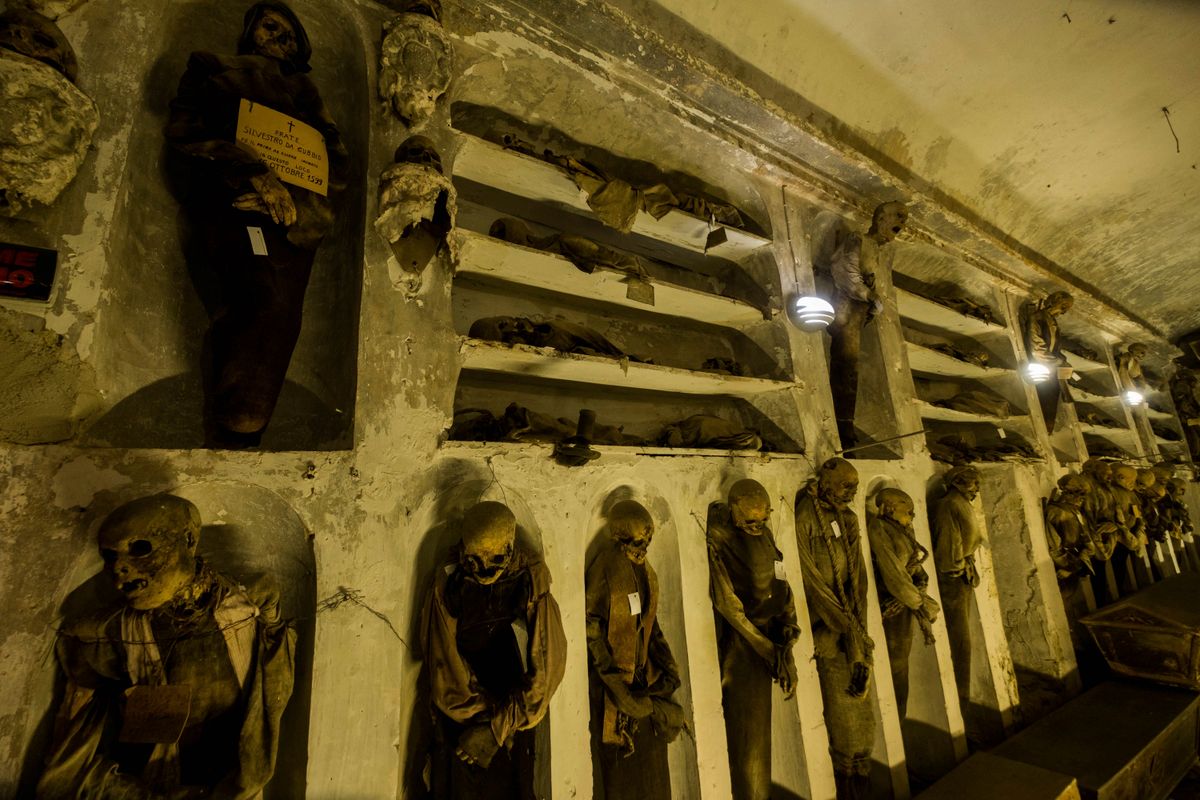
point(290, 126)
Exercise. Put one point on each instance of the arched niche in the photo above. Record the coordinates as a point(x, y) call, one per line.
point(148, 348)
point(663, 557)
point(246, 531)
point(454, 487)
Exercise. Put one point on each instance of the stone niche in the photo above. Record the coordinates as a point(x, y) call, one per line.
point(124, 299)
point(248, 530)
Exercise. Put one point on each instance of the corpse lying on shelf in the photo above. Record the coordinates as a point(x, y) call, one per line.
point(617, 202)
point(521, 424)
point(954, 449)
point(706, 431)
point(586, 255)
point(977, 401)
point(566, 337)
point(965, 353)
point(951, 297)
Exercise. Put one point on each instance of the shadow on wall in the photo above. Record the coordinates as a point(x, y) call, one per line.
point(152, 323)
point(248, 531)
point(466, 485)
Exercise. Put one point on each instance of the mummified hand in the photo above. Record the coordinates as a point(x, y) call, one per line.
point(860, 673)
point(270, 198)
point(785, 669)
point(477, 745)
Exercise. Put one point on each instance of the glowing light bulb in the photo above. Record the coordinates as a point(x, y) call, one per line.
point(811, 313)
point(1037, 373)
point(1134, 397)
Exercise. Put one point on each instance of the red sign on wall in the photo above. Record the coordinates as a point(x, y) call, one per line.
point(26, 272)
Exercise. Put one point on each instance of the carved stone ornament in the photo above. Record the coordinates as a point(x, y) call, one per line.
point(415, 66)
point(46, 123)
point(417, 207)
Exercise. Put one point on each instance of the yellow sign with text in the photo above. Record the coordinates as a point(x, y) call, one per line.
point(295, 152)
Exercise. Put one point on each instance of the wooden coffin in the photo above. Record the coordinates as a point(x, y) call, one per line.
point(987, 777)
point(1120, 741)
point(1154, 633)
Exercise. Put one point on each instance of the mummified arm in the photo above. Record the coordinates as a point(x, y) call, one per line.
point(727, 604)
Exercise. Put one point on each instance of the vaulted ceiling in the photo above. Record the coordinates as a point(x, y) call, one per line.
point(1043, 117)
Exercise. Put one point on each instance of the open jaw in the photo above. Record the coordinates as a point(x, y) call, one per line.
point(129, 587)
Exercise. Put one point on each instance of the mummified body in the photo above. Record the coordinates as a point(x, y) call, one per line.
point(956, 537)
point(1043, 345)
point(179, 690)
point(835, 583)
point(856, 301)
point(633, 673)
point(493, 643)
point(756, 627)
point(229, 193)
point(902, 583)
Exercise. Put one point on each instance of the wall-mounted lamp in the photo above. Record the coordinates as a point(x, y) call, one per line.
point(1037, 373)
point(1134, 397)
point(810, 313)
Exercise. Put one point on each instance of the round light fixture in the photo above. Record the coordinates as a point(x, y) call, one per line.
point(1037, 373)
point(1134, 397)
point(811, 313)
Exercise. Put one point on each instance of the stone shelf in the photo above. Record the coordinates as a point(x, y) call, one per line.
point(487, 258)
point(1152, 414)
point(919, 309)
point(1082, 364)
point(1084, 396)
point(548, 364)
point(1121, 437)
point(546, 449)
point(931, 362)
point(489, 164)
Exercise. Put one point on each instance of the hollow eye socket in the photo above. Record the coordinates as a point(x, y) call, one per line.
point(499, 558)
point(140, 547)
point(109, 555)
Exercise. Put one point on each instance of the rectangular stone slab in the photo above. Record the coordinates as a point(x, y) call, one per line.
point(1121, 741)
point(987, 777)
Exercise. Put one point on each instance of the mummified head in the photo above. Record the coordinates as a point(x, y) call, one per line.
point(418, 150)
point(837, 482)
point(1099, 469)
point(149, 548)
point(896, 505)
point(631, 527)
point(37, 37)
point(965, 480)
point(1072, 489)
point(888, 219)
point(1176, 487)
point(1124, 476)
point(489, 536)
point(750, 506)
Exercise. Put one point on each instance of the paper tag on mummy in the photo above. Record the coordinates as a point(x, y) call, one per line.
point(836, 530)
point(635, 604)
point(155, 714)
point(1003, 434)
point(258, 245)
point(1158, 554)
point(639, 291)
point(293, 151)
point(780, 573)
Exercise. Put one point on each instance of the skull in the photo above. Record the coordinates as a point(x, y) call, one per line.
point(35, 36)
point(1138, 351)
point(895, 505)
point(750, 507)
point(1146, 479)
point(632, 528)
point(274, 36)
point(416, 61)
point(965, 480)
point(149, 548)
point(1124, 476)
point(418, 150)
point(888, 220)
point(837, 482)
point(1177, 487)
point(1059, 303)
point(1099, 469)
point(1072, 489)
point(1163, 473)
point(489, 535)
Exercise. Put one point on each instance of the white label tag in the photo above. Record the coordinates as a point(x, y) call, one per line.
point(836, 530)
point(450, 569)
point(1003, 434)
point(1075, 376)
point(635, 604)
point(780, 572)
point(257, 243)
point(1189, 538)
point(1158, 554)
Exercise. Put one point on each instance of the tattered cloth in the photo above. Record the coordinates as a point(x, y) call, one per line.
point(702, 430)
point(104, 654)
point(455, 689)
point(586, 255)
